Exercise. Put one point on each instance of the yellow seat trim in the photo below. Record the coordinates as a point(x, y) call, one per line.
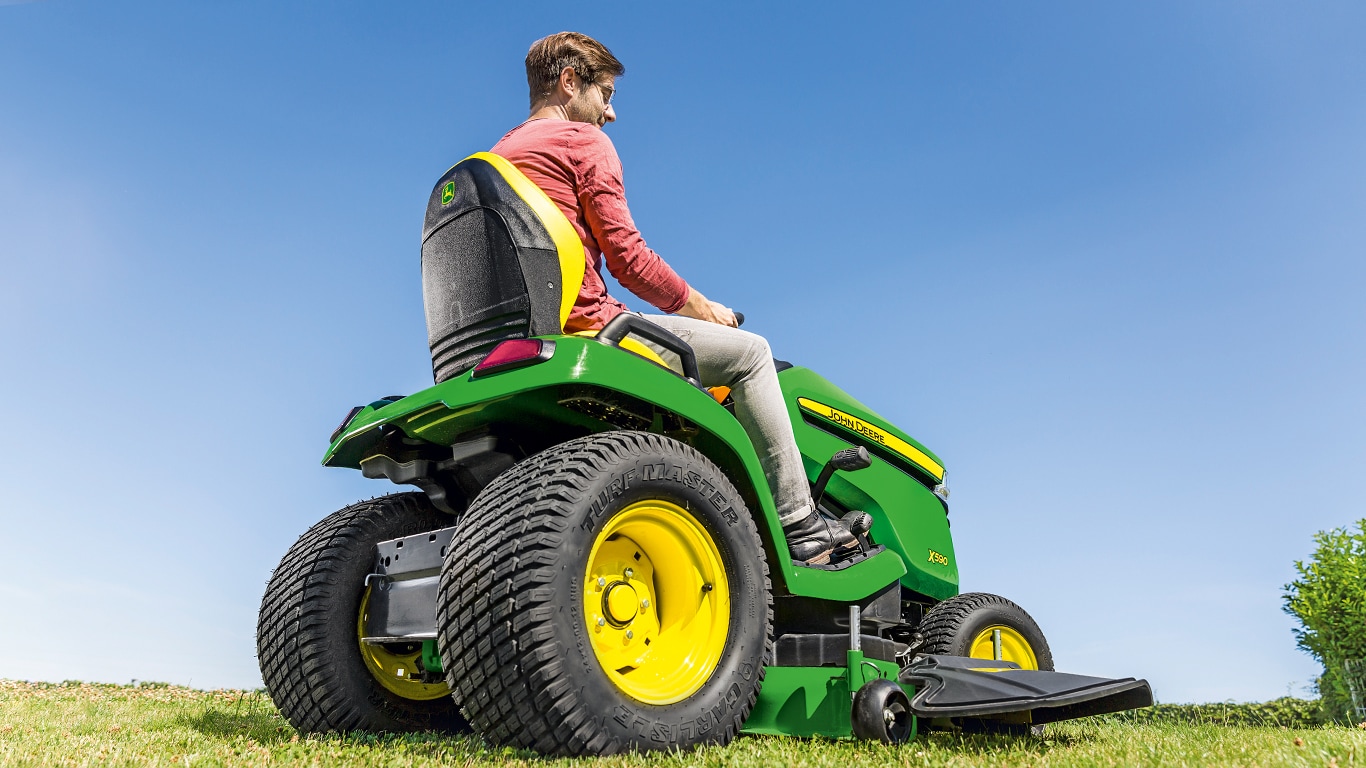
point(573, 263)
point(631, 345)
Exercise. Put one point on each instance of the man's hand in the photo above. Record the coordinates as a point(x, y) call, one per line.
point(699, 307)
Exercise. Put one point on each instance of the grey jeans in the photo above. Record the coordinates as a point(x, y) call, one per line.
point(730, 357)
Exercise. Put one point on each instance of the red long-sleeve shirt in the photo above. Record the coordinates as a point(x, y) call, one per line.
point(576, 165)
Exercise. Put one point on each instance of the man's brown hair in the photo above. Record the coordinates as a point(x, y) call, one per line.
point(548, 57)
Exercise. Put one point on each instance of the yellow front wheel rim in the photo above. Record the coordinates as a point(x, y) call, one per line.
point(1002, 643)
point(657, 602)
point(399, 673)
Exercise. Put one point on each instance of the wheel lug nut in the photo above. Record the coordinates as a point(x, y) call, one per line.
point(630, 573)
point(601, 621)
point(602, 582)
point(630, 634)
point(644, 604)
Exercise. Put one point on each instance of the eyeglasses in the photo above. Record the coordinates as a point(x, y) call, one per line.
point(608, 92)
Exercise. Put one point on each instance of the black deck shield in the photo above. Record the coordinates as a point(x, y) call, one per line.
point(956, 686)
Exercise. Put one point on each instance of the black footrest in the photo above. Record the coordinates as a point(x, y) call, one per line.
point(853, 559)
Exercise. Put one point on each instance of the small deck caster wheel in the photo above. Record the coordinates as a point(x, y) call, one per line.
point(882, 712)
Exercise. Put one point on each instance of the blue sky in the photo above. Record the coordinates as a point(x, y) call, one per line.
point(1105, 261)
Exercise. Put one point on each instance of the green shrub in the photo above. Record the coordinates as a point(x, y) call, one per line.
point(1329, 599)
point(1284, 712)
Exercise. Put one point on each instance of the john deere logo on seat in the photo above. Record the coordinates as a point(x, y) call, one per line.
point(448, 193)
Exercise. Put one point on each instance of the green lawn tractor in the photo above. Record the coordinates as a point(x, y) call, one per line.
point(591, 561)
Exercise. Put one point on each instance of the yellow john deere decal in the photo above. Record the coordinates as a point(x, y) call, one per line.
point(448, 193)
point(876, 434)
point(937, 558)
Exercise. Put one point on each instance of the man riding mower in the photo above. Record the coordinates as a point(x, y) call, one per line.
point(595, 559)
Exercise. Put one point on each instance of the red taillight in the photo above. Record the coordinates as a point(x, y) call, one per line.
point(514, 354)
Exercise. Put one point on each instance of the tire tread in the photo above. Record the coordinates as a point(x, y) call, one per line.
point(297, 648)
point(940, 627)
point(506, 669)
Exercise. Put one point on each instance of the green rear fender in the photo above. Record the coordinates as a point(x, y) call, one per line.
point(587, 386)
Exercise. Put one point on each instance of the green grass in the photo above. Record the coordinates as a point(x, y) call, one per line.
point(158, 725)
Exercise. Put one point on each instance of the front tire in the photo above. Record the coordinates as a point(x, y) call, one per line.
point(609, 594)
point(985, 626)
point(316, 670)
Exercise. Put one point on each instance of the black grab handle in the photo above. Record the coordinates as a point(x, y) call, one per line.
point(627, 323)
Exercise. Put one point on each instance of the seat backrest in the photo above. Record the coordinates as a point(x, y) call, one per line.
point(499, 261)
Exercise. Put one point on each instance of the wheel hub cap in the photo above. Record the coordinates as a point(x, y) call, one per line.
point(620, 604)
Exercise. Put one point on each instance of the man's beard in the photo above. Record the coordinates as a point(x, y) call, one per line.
point(581, 110)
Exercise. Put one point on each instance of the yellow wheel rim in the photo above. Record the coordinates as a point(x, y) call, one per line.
point(657, 602)
point(395, 671)
point(1012, 646)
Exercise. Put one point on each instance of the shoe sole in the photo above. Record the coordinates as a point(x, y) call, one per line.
point(821, 559)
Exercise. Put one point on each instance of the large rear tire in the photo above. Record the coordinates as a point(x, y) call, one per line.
point(315, 668)
point(609, 594)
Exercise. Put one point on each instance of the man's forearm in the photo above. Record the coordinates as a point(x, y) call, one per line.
point(699, 307)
